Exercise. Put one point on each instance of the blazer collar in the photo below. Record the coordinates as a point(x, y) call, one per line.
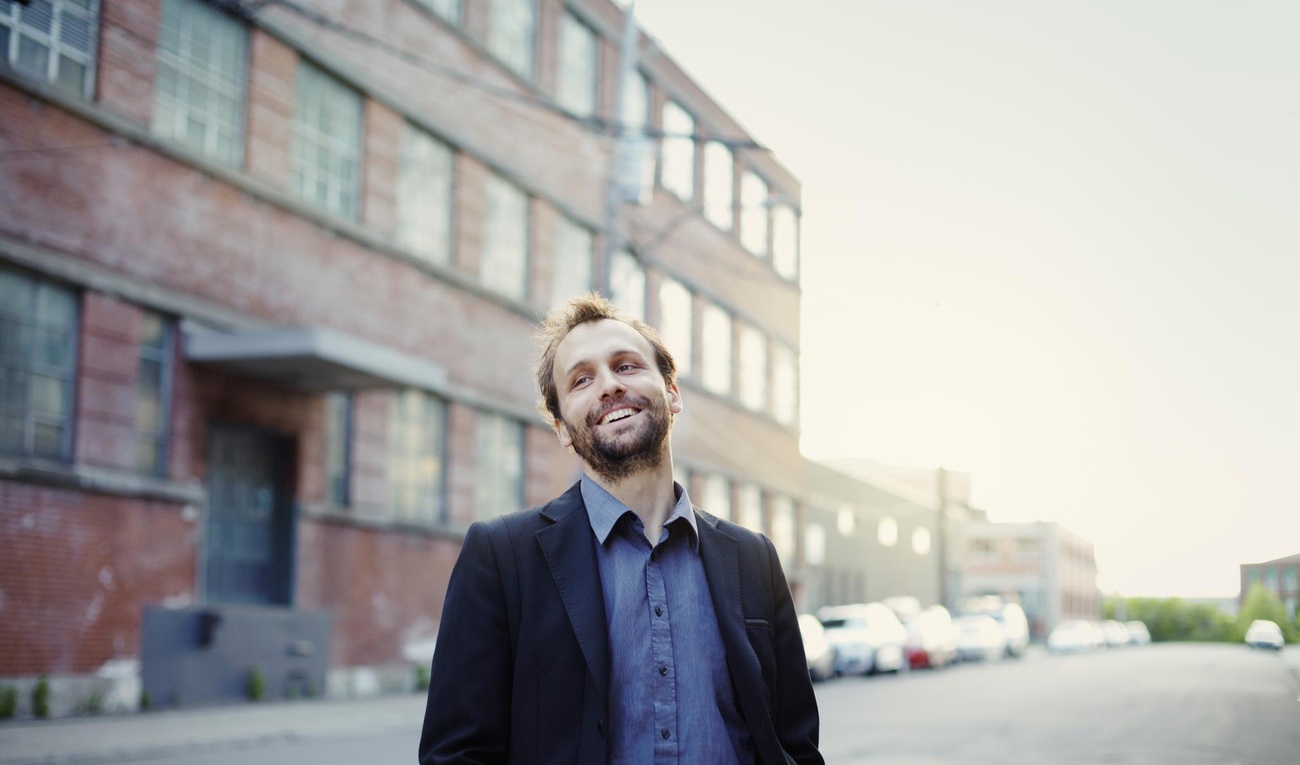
point(568, 545)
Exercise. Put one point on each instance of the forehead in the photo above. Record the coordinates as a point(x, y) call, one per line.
point(595, 341)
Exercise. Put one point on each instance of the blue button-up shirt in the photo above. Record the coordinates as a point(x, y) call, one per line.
point(671, 698)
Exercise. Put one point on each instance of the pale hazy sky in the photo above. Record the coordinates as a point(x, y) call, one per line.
point(1052, 244)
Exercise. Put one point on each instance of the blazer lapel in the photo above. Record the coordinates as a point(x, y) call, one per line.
point(567, 546)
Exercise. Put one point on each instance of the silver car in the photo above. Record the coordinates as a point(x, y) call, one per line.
point(868, 638)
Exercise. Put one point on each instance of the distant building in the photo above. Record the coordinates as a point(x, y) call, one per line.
point(1278, 576)
point(1050, 571)
point(864, 542)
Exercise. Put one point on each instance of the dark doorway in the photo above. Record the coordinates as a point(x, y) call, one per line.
point(250, 517)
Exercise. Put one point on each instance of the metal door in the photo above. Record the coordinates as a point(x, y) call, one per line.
point(249, 551)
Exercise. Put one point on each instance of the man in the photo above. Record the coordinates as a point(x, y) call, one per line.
point(617, 623)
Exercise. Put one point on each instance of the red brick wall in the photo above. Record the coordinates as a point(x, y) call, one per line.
point(273, 68)
point(128, 58)
point(107, 382)
point(76, 570)
point(383, 589)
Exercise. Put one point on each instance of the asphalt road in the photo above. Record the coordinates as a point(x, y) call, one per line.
point(1152, 705)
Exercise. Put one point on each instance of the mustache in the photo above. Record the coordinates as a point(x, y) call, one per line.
point(635, 401)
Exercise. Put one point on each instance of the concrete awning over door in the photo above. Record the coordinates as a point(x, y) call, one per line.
point(312, 358)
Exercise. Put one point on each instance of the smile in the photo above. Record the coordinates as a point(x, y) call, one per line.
point(616, 415)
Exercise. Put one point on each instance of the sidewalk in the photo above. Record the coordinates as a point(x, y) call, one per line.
point(114, 738)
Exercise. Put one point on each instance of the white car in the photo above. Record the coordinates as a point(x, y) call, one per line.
point(1117, 633)
point(868, 638)
point(817, 648)
point(1075, 636)
point(1263, 633)
point(1138, 632)
point(979, 638)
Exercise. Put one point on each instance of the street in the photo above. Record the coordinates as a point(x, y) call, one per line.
point(1154, 705)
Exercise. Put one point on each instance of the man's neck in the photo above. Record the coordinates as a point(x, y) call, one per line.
point(648, 493)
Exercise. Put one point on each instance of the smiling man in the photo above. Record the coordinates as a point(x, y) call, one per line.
point(617, 623)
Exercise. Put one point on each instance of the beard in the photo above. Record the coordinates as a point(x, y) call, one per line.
point(617, 456)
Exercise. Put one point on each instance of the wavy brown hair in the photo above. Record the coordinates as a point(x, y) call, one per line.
point(580, 310)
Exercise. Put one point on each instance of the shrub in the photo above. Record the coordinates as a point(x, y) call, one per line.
point(8, 702)
point(41, 697)
point(255, 688)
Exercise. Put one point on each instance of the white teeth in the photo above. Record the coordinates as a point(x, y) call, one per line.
point(616, 415)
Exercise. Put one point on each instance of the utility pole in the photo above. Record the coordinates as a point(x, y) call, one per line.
point(941, 534)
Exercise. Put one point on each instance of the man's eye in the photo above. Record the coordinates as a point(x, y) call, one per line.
point(626, 367)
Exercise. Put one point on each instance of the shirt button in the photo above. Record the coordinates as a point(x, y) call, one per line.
point(659, 610)
point(663, 671)
point(664, 733)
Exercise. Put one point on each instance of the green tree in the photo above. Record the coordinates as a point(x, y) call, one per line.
point(1263, 603)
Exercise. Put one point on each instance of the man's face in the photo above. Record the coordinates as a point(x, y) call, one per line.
point(614, 405)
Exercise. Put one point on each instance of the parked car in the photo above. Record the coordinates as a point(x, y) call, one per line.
point(931, 638)
point(1011, 618)
point(1116, 633)
point(868, 638)
point(979, 638)
point(1138, 633)
point(1263, 633)
point(1075, 636)
point(818, 649)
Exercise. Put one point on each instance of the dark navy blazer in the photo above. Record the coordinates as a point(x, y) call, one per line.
point(521, 670)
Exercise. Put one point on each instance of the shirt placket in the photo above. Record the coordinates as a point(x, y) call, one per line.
point(662, 665)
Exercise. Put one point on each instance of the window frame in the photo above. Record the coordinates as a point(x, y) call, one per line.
point(438, 493)
point(13, 27)
point(214, 82)
point(30, 367)
point(564, 228)
point(408, 234)
point(490, 249)
point(674, 143)
point(498, 425)
point(616, 295)
point(339, 495)
point(307, 137)
point(583, 104)
point(165, 357)
point(501, 47)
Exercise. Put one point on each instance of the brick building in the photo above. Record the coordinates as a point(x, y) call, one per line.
point(1280, 576)
point(268, 276)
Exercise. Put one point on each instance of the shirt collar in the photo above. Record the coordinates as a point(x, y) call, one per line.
point(604, 510)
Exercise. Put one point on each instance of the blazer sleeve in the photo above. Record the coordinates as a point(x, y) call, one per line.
point(795, 713)
point(467, 716)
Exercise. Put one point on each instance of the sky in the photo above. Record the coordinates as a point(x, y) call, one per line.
point(1055, 245)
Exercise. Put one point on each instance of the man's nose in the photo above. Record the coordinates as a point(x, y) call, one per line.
point(610, 384)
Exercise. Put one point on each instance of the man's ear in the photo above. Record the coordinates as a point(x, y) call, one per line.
point(674, 399)
point(562, 433)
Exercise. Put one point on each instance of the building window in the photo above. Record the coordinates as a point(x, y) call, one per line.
point(504, 268)
point(983, 548)
point(1029, 547)
point(327, 142)
point(338, 448)
point(785, 385)
point(512, 35)
point(1289, 579)
point(753, 368)
point(52, 41)
point(921, 540)
point(416, 427)
point(749, 507)
point(448, 10)
point(783, 534)
point(424, 196)
point(200, 96)
point(579, 67)
point(636, 116)
point(38, 326)
point(718, 180)
point(753, 213)
point(1270, 579)
point(679, 152)
point(151, 415)
point(675, 322)
point(785, 242)
point(887, 532)
point(571, 264)
point(499, 466)
point(846, 521)
point(627, 284)
point(717, 496)
point(715, 350)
